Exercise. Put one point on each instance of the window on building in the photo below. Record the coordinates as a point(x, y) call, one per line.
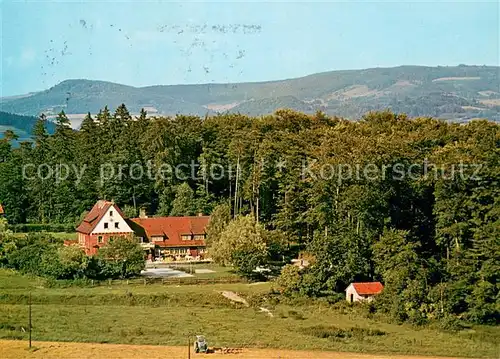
point(105, 225)
point(186, 237)
point(99, 239)
point(117, 225)
point(111, 213)
point(199, 237)
point(157, 238)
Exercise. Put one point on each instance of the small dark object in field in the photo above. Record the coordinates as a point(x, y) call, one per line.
point(225, 350)
point(200, 344)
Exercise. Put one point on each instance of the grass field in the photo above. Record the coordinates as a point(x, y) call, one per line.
point(167, 314)
point(218, 271)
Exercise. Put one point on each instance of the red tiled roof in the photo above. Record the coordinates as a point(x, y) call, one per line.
point(368, 288)
point(1, 209)
point(94, 216)
point(173, 227)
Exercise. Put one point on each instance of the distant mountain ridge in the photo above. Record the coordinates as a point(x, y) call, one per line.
point(457, 93)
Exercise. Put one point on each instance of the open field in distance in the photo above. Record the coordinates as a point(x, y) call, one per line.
point(166, 314)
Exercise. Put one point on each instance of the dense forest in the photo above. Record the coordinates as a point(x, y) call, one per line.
point(412, 202)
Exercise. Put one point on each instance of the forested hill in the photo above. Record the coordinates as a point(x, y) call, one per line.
point(22, 126)
point(455, 93)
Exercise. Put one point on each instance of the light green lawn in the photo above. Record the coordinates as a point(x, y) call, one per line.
point(161, 314)
point(218, 270)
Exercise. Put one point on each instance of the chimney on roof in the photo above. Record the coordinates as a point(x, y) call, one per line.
point(200, 214)
point(142, 213)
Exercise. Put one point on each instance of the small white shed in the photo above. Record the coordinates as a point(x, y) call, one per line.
point(362, 291)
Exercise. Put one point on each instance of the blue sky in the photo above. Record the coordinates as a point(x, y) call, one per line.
point(147, 43)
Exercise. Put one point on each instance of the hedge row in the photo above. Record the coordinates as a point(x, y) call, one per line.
point(39, 227)
point(206, 299)
point(88, 283)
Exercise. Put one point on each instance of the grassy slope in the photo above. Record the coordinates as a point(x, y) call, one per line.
point(156, 314)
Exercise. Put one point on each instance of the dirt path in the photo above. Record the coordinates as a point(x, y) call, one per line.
point(234, 297)
point(13, 349)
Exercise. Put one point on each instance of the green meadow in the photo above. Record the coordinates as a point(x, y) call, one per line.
point(167, 314)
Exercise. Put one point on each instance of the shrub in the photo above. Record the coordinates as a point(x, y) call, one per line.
point(290, 280)
point(322, 331)
point(335, 298)
point(450, 323)
point(27, 259)
point(64, 263)
point(41, 254)
point(121, 257)
point(241, 244)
